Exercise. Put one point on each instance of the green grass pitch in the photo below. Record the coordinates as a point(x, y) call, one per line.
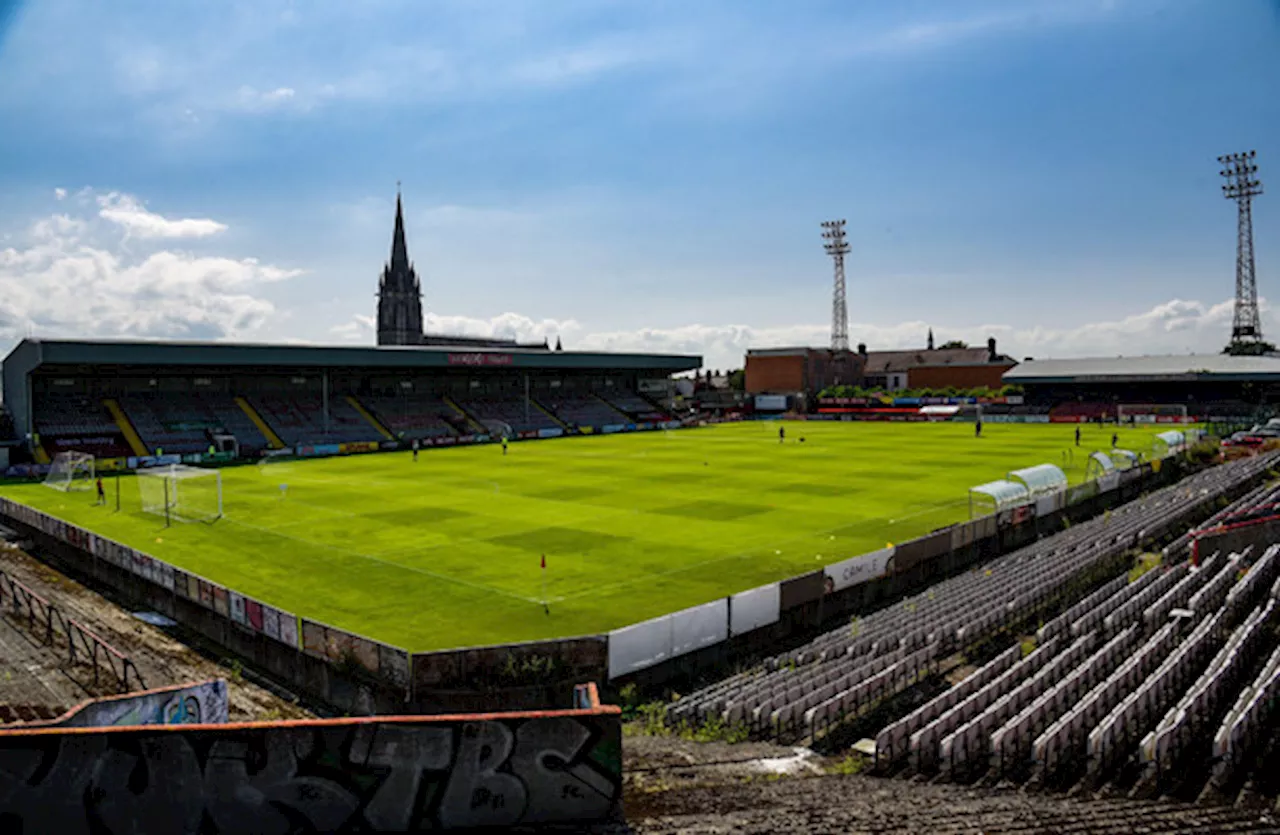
point(445, 552)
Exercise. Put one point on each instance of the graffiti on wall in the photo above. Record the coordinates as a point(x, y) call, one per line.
point(329, 776)
point(188, 704)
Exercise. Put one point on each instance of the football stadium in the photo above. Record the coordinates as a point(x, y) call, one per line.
point(951, 564)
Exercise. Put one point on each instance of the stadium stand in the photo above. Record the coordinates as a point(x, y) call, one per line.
point(635, 406)
point(586, 411)
point(998, 716)
point(1172, 679)
point(82, 421)
point(412, 416)
point(183, 422)
point(299, 419)
point(514, 413)
point(233, 418)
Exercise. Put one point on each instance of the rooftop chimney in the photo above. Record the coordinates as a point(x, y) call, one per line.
point(862, 349)
point(991, 350)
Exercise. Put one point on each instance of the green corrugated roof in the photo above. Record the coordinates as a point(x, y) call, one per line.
point(149, 353)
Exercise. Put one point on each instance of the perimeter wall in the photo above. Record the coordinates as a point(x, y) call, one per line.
point(390, 774)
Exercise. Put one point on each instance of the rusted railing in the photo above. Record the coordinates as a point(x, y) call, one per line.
point(57, 630)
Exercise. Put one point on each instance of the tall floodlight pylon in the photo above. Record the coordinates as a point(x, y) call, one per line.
point(837, 247)
point(1242, 187)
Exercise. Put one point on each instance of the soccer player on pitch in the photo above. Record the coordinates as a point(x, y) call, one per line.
point(415, 449)
point(102, 494)
point(504, 444)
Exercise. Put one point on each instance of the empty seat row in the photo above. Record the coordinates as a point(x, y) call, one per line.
point(1163, 748)
point(1065, 740)
point(976, 604)
point(1011, 744)
point(964, 747)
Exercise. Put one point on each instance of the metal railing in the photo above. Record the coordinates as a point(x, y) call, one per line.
point(55, 629)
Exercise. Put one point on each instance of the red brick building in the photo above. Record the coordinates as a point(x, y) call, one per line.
point(809, 370)
point(961, 368)
point(800, 370)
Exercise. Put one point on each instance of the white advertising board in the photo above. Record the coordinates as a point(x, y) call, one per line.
point(857, 570)
point(698, 627)
point(638, 646)
point(755, 608)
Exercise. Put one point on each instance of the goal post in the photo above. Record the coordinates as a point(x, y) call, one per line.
point(71, 471)
point(181, 493)
point(499, 429)
point(1151, 413)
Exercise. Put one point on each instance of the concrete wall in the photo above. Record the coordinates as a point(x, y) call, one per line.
point(521, 676)
point(392, 774)
point(201, 703)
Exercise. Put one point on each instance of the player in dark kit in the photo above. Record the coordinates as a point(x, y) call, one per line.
point(1077, 436)
point(782, 434)
point(102, 494)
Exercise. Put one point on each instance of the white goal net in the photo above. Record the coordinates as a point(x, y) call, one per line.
point(70, 471)
point(1151, 412)
point(181, 493)
point(498, 429)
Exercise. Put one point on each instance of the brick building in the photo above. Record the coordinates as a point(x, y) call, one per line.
point(961, 368)
point(809, 370)
point(800, 370)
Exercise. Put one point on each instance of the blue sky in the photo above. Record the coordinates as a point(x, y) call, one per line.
point(637, 174)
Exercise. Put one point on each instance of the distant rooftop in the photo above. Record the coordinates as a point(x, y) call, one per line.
point(1128, 369)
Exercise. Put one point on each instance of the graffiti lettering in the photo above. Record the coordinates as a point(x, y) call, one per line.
point(247, 793)
point(478, 794)
point(336, 776)
point(408, 752)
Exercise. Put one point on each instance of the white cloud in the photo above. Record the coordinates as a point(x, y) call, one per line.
point(253, 100)
point(358, 329)
point(72, 277)
point(59, 194)
point(1173, 327)
point(128, 212)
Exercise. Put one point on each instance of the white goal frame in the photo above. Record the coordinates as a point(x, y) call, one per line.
point(1148, 412)
point(71, 471)
point(499, 429)
point(181, 493)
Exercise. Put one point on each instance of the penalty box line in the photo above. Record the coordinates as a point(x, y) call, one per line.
point(372, 558)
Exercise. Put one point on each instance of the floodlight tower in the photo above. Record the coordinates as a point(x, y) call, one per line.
point(837, 247)
point(1242, 187)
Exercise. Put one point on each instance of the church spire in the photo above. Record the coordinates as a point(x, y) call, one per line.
point(930, 339)
point(399, 250)
point(399, 293)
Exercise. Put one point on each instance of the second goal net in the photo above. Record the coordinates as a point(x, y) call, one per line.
point(1152, 413)
point(181, 493)
point(70, 471)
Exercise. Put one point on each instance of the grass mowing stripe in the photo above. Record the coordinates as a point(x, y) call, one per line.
point(446, 551)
